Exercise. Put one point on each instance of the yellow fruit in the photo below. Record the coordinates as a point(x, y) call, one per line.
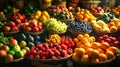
point(101, 50)
point(105, 45)
point(75, 57)
point(102, 57)
point(80, 51)
point(87, 45)
point(95, 45)
point(86, 36)
point(91, 39)
point(95, 60)
point(38, 13)
point(110, 54)
point(113, 29)
point(94, 54)
point(80, 45)
point(84, 40)
point(36, 17)
point(43, 18)
point(45, 13)
point(85, 58)
point(47, 1)
point(113, 49)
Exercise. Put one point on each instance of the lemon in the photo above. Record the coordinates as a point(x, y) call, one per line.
point(38, 13)
point(43, 18)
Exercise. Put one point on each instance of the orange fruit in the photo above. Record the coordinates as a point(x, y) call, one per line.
point(109, 54)
point(80, 51)
point(101, 50)
point(96, 45)
point(95, 60)
point(105, 45)
point(80, 45)
point(102, 57)
point(94, 54)
point(84, 40)
point(75, 57)
point(85, 19)
point(87, 45)
point(75, 40)
point(85, 58)
point(86, 36)
point(80, 37)
point(88, 51)
point(111, 24)
point(113, 49)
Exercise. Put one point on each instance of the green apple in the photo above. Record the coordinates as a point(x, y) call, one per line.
point(19, 54)
point(23, 44)
point(16, 48)
point(9, 58)
point(11, 52)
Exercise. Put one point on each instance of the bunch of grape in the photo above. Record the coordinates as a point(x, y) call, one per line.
point(54, 26)
point(80, 26)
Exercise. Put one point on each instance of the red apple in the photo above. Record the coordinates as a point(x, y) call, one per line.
point(18, 21)
point(12, 24)
point(9, 58)
point(35, 29)
point(13, 42)
point(3, 53)
point(33, 24)
point(25, 25)
point(15, 17)
point(15, 28)
point(7, 28)
point(6, 48)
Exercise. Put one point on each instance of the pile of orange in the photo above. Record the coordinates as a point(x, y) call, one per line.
point(85, 15)
point(87, 50)
point(116, 10)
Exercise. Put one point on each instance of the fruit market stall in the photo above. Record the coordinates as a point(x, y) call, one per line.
point(59, 33)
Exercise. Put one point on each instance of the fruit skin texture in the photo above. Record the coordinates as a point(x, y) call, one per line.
point(9, 58)
point(85, 58)
point(23, 44)
point(19, 54)
point(80, 51)
point(13, 42)
point(6, 48)
point(3, 53)
point(94, 54)
point(102, 57)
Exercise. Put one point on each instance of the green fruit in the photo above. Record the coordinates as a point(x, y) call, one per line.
point(62, 16)
point(23, 44)
point(27, 48)
point(9, 58)
point(16, 48)
point(1, 44)
point(11, 52)
point(30, 38)
point(24, 51)
point(19, 54)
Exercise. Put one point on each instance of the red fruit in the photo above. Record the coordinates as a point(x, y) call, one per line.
point(64, 53)
point(46, 46)
point(66, 42)
point(31, 56)
point(105, 37)
point(6, 48)
point(94, 11)
point(39, 24)
point(44, 58)
point(99, 9)
point(33, 24)
point(35, 29)
point(53, 58)
point(118, 38)
point(100, 39)
point(42, 48)
point(107, 40)
point(33, 52)
point(7, 28)
point(15, 17)
point(39, 45)
point(15, 28)
point(3, 53)
point(71, 44)
point(58, 46)
point(12, 24)
point(36, 48)
point(51, 45)
point(69, 51)
point(42, 53)
point(63, 41)
point(37, 56)
point(51, 53)
point(57, 52)
point(13, 42)
point(116, 43)
point(113, 39)
point(64, 46)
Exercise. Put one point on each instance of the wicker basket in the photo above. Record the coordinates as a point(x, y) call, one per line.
point(72, 4)
point(90, 4)
point(61, 3)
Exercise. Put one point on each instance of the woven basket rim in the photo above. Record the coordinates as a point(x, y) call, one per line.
point(90, 1)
